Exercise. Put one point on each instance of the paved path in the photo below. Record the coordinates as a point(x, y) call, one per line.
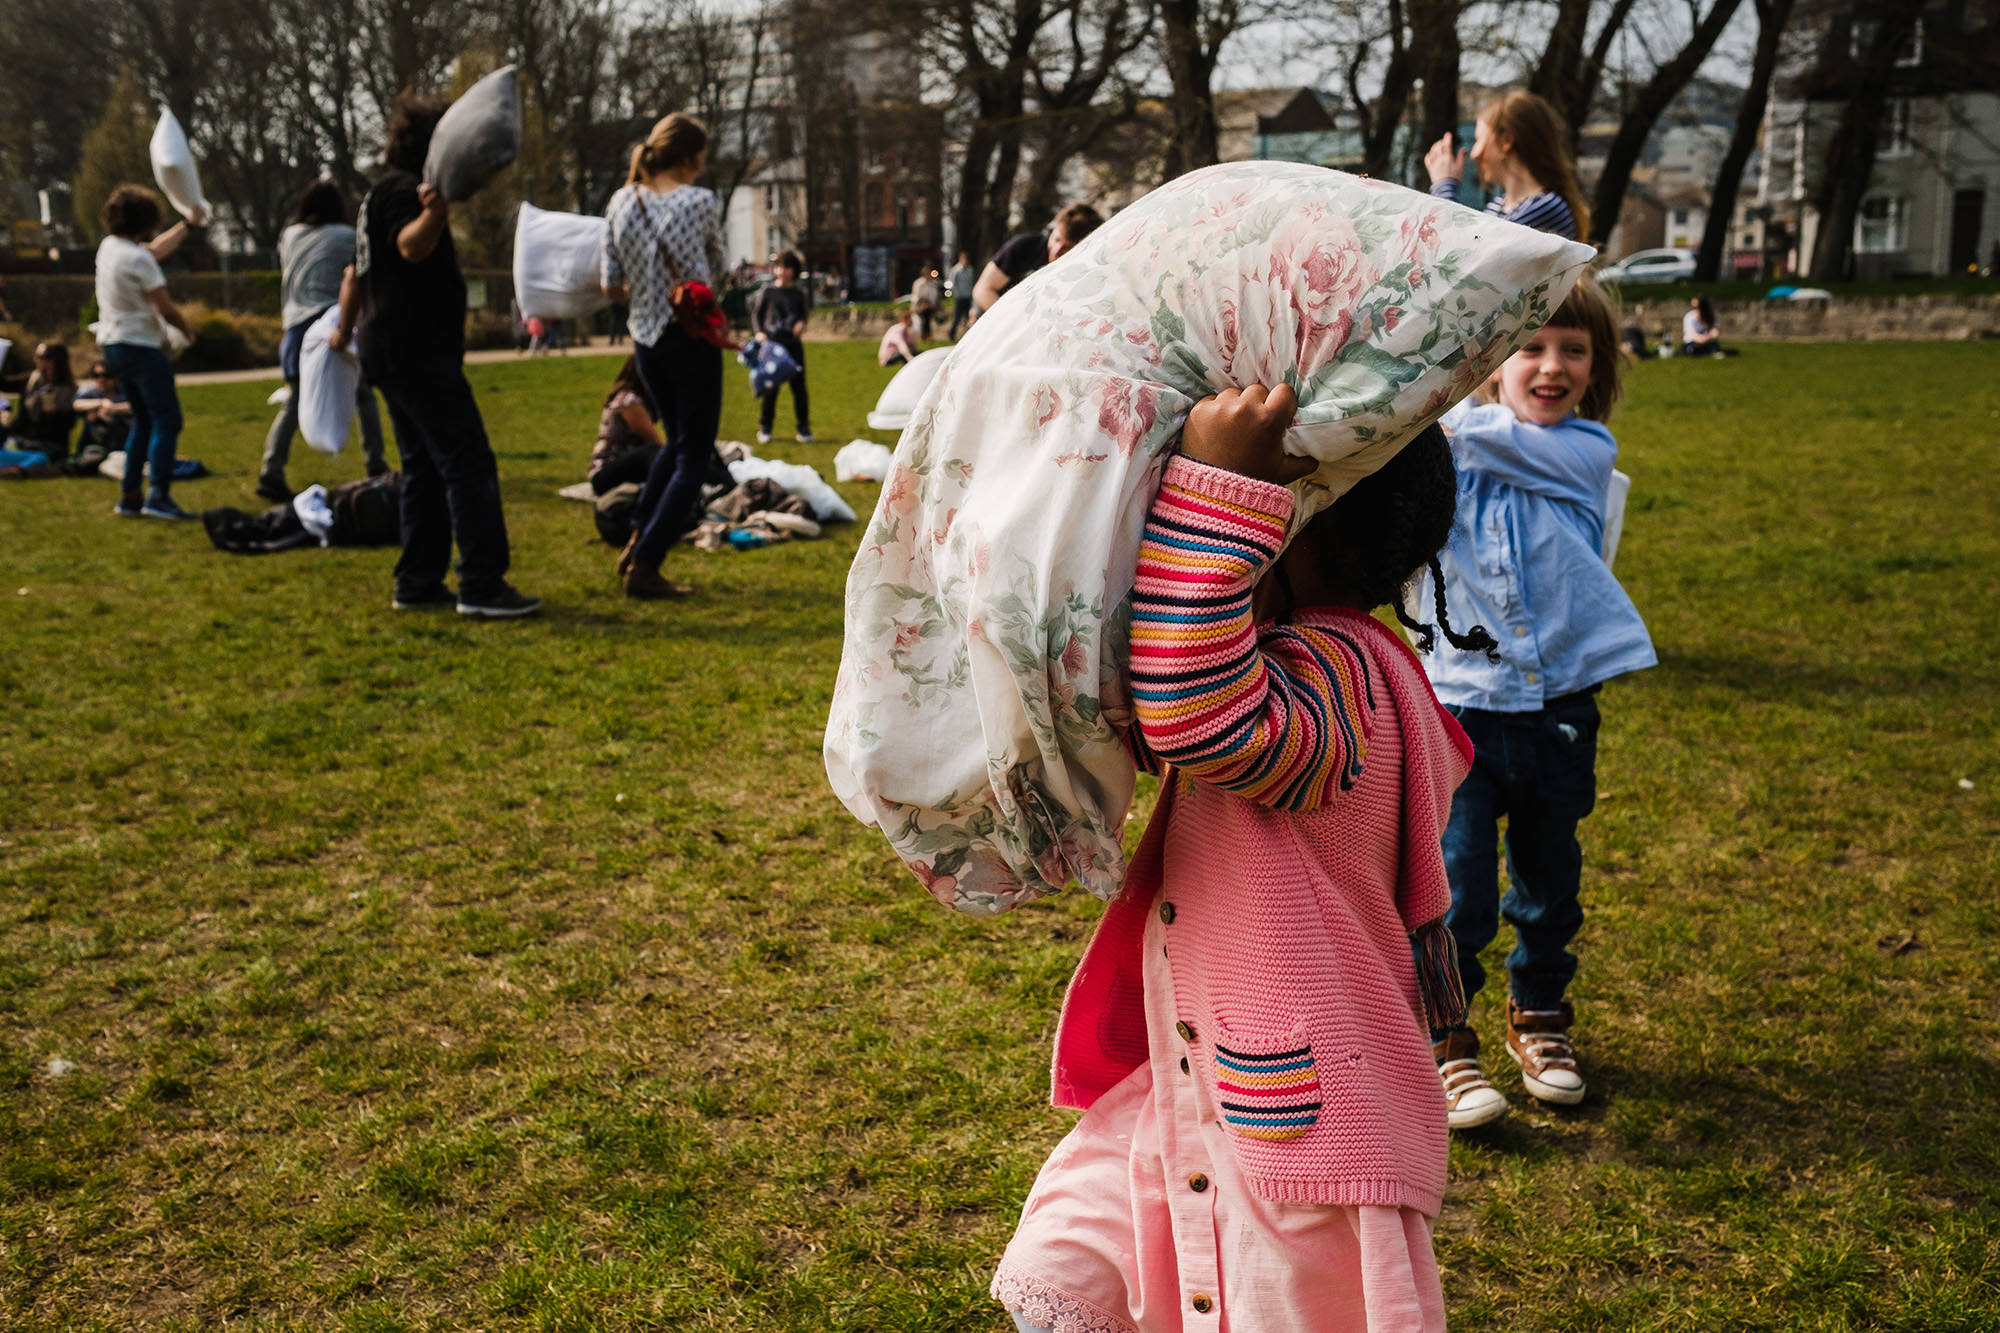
point(595, 348)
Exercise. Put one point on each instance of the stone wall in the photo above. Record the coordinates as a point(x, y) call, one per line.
point(1854, 319)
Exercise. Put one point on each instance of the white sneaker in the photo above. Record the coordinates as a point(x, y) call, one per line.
point(763, 437)
point(1469, 1099)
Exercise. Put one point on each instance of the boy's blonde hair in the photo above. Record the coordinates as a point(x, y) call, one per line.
point(1588, 309)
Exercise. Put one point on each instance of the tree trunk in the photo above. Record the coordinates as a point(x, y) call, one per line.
point(1434, 40)
point(1647, 104)
point(1772, 16)
point(1190, 69)
point(1562, 55)
point(969, 221)
point(1850, 157)
point(1380, 119)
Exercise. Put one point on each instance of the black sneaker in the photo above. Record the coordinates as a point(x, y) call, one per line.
point(274, 490)
point(435, 596)
point(130, 506)
point(503, 603)
point(160, 506)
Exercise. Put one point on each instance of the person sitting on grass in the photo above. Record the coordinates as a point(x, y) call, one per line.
point(898, 347)
point(47, 413)
point(1289, 884)
point(1701, 332)
point(106, 416)
point(1526, 558)
point(627, 439)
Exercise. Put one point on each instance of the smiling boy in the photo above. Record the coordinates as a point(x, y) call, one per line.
point(1525, 561)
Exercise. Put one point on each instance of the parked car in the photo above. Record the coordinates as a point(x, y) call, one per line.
point(1669, 265)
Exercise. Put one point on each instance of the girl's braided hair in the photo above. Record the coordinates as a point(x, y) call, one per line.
point(1392, 524)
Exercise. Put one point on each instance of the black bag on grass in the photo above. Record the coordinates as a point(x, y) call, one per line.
point(242, 533)
point(478, 136)
point(614, 512)
point(368, 512)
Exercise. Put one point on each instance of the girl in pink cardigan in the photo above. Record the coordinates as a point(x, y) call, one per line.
point(1262, 1148)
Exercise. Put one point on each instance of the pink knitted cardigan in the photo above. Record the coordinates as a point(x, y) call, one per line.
point(1288, 906)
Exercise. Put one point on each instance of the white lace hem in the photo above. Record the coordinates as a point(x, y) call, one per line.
point(1049, 1307)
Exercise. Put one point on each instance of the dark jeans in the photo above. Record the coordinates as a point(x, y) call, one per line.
point(451, 485)
point(634, 465)
point(1539, 770)
point(961, 311)
point(767, 404)
point(147, 378)
point(683, 377)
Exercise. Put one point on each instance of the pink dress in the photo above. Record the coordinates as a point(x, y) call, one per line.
point(1263, 1141)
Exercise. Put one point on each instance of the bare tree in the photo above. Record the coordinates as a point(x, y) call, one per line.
point(1082, 90)
point(1568, 74)
point(1643, 108)
point(1850, 156)
point(1192, 35)
point(1772, 16)
point(1435, 52)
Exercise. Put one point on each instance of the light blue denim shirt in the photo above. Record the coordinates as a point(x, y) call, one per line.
point(1525, 560)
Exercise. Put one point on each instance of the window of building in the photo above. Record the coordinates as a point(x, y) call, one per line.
point(1912, 52)
point(1892, 139)
point(1861, 36)
point(1680, 217)
point(1883, 225)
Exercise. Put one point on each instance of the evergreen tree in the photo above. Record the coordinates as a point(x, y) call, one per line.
point(116, 151)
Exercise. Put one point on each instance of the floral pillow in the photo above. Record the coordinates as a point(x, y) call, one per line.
point(978, 714)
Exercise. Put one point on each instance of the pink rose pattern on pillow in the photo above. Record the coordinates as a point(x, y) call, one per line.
point(978, 711)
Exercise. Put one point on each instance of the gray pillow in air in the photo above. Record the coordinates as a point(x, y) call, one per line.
point(477, 138)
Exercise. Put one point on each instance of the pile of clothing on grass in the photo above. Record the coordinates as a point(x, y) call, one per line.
point(749, 502)
point(367, 512)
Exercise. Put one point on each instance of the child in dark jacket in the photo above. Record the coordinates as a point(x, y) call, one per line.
point(780, 315)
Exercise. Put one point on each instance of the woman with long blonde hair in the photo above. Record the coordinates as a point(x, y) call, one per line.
point(1520, 144)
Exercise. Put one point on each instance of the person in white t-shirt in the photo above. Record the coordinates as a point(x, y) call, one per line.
point(134, 314)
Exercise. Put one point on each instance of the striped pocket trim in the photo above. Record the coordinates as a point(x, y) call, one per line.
point(1274, 1095)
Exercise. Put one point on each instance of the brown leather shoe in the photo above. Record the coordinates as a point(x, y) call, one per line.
point(1468, 1098)
point(645, 583)
point(625, 556)
point(1538, 1039)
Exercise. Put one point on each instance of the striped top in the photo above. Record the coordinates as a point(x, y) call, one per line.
point(1272, 713)
point(1546, 211)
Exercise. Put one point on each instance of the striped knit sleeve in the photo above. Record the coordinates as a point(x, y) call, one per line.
point(1446, 188)
point(1274, 714)
point(1547, 211)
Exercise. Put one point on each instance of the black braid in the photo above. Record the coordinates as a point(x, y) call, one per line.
point(1391, 524)
point(1473, 640)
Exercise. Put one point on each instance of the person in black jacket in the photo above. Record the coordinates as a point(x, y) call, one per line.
point(780, 315)
point(410, 295)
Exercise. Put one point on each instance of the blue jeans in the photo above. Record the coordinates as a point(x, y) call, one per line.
point(147, 378)
point(1538, 769)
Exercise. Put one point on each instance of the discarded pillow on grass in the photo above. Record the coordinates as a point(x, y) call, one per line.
point(173, 166)
point(899, 399)
point(982, 690)
point(557, 257)
point(328, 383)
point(478, 136)
point(862, 460)
point(800, 480)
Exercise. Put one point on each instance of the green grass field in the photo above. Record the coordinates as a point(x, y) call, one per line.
point(418, 974)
